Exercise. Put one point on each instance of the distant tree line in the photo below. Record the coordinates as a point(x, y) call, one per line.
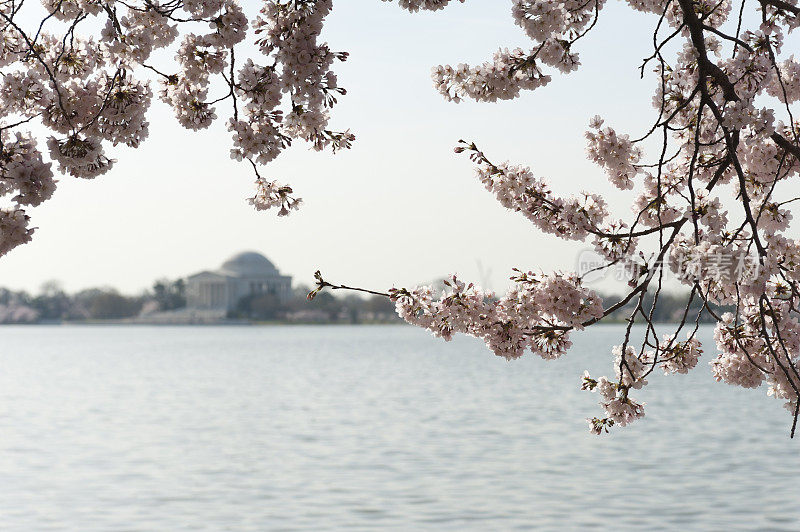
point(53, 304)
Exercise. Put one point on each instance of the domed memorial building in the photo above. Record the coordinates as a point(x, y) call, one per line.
point(244, 274)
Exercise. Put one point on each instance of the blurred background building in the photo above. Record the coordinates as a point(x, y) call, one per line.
point(246, 274)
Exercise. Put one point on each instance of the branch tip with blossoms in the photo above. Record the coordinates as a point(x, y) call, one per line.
point(271, 194)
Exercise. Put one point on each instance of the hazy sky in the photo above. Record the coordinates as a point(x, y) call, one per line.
point(400, 208)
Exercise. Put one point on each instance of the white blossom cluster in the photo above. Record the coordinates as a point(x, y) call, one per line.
point(428, 5)
point(619, 407)
point(14, 229)
point(27, 180)
point(271, 194)
point(511, 324)
point(573, 218)
point(615, 153)
point(756, 348)
point(517, 189)
point(301, 70)
point(553, 26)
point(631, 370)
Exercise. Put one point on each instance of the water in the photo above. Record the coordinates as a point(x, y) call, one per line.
point(288, 428)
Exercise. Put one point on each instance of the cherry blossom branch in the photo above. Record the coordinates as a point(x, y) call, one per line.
point(323, 284)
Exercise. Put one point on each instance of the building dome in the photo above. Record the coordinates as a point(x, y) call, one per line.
point(249, 264)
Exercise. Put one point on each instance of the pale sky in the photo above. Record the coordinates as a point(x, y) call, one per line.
point(399, 209)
